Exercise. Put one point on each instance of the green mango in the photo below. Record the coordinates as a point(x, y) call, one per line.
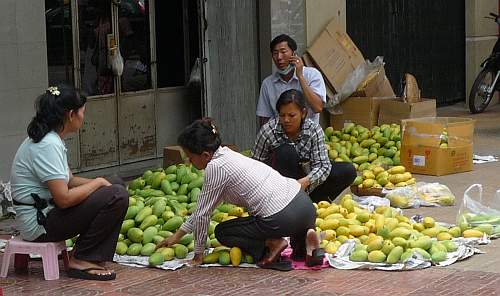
point(156, 259)
point(135, 235)
point(148, 249)
point(121, 248)
point(134, 249)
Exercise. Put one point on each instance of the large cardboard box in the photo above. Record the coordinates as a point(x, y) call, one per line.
point(393, 111)
point(378, 86)
point(421, 139)
point(173, 155)
point(335, 54)
point(360, 110)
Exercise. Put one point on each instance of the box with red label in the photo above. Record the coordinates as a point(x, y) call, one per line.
point(437, 145)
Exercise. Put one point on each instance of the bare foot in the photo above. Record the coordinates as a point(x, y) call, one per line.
point(312, 241)
point(275, 246)
point(82, 264)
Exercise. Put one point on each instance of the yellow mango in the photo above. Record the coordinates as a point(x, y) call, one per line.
point(329, 224)
point(342, 231)
point(368, 183)
point(358, 230)
point(376, 256)
point(375, 244)
point(399, 169)
point(329, 234)
point(429, 222)
point(455, 231)
point(367, 174)
point(472, 233)
point(442, 236)
point(331, 248)
point(323, 204)
point(235, 256)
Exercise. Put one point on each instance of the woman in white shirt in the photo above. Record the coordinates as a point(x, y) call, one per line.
point(277, 205)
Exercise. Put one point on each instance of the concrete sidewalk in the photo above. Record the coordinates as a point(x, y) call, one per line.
point(478, 275)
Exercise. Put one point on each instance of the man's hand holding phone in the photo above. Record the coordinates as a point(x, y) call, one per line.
point(296, 61)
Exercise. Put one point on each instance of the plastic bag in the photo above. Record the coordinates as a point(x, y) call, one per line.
point(352, 82)
point(116, 62)
point(474, 213)
point(6, 207)
point(195, 76)
point(435, 193)
point(404, 197)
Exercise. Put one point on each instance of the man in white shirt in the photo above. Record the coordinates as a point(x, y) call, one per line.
point(291, 74)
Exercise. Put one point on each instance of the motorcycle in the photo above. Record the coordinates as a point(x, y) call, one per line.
point(487, 81)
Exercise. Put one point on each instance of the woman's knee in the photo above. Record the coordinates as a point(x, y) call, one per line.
point(345, 171)
point(120, 195)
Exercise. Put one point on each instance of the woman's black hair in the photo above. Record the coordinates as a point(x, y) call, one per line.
point(51, 108)
point(291, 96)
point(200, 136)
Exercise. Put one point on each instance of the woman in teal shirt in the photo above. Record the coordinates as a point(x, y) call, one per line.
point(53, 205)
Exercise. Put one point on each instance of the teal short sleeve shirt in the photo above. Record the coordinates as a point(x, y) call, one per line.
point(34, 164)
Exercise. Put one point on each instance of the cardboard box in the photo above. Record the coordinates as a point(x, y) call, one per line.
point(421, 152)
point(393, 111)
point(335, 54)
point(173, 155)
point(379, 86)
point(360, 110)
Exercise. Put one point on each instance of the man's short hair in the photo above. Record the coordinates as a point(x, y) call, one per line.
point(283, 38)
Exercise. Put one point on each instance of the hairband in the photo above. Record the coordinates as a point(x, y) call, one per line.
point(54, 91)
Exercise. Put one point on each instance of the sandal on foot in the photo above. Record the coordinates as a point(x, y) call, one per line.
point(316, 259)
point(84, 274)
point(277, 265)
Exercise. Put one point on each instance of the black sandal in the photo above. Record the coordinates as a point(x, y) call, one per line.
point(316, 258)
point(281, 265)
point(85, 275)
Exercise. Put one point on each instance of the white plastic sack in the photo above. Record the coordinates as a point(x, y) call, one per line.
point(352, 82)
point(473, 212)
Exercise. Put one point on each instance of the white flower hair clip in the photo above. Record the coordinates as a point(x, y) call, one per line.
point(53, 90)
point(214, 131)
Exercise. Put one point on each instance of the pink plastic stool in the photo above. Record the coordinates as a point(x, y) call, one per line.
point(48, 251)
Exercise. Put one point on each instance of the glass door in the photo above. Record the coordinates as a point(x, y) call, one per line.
point(99, 134)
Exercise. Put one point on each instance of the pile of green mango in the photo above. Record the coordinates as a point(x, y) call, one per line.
point(361, 146)
point(160, 201)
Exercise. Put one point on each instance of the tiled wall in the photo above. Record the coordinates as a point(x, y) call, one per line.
point(23, 72)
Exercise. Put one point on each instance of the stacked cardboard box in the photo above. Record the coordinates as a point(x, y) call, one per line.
point(336, 56)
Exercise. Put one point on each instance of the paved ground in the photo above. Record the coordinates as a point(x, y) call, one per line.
point(479, 275)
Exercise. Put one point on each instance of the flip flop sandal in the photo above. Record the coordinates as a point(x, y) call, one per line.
point(85, 275)
point(316, 258)
point(277, 265)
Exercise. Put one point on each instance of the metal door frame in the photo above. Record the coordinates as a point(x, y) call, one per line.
point(117, 93)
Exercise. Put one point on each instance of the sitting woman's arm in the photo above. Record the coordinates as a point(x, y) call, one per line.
point(65, 196)
point(76, 181)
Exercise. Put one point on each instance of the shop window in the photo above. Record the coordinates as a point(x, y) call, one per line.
point(177, 41)
point(94, 22)
point(59, 41)
point(133, 23)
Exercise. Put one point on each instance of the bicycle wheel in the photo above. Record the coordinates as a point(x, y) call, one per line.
point(479, 97)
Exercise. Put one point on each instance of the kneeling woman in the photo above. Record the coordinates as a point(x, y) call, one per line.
point(278, 207)
point(53, 205)
point(295, 147)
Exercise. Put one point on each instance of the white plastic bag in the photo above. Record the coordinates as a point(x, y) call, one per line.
point(116, 62)
point(352, 82)
point(436, 193)
point(404, 197)
point(195, 76)
point(473, 213)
